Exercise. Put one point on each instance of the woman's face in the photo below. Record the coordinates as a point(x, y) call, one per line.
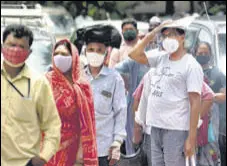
point(62, 50)
point(203, 49)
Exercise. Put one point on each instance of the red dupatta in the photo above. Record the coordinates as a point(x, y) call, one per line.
point(79, 97)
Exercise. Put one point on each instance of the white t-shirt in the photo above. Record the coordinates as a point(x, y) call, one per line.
point(168, 104)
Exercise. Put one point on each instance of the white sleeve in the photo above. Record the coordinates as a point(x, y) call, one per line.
point(194, 79)
point(140, 115)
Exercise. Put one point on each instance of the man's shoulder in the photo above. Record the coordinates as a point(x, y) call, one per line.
point(192, 62)
point(113, 73)
point(37, 78)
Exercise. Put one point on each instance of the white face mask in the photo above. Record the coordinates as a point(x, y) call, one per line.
point(170, 45)
point(63, 63)
point(95, 59)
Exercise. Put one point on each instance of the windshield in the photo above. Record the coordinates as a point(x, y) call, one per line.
point(62, 23)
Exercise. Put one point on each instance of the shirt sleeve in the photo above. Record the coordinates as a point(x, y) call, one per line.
point(120, 110)
point(138, 92)
point(223, 80)
point(207, 93)
point(140, 115)
point(50, 122)
point(114, 57)
point(153, 57)
point(124, 67)
point(194, 80)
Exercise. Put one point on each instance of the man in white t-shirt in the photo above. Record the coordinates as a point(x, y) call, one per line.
point(174, 100)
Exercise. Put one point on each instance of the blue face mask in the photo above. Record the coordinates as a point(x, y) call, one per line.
point(203, 59)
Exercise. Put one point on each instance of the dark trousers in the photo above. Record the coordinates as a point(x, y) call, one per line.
point(222, 145)
point(103, 161)
point(29, 163)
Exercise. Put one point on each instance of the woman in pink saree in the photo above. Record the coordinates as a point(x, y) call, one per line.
point(75, 106)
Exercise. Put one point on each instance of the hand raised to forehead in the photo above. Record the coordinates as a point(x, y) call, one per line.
point(162, 25)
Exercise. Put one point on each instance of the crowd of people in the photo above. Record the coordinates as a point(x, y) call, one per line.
point(150, 91)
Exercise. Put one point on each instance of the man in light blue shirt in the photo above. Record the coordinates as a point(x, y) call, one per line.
point(132, 73)
point(109, 97)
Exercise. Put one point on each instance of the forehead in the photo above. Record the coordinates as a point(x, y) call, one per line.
point(203, 47)
point(11, 39)
point(61, 48)
point(168, 30)
point(96, 45)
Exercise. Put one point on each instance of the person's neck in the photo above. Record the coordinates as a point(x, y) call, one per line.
point(178, 54)
point(133, 42)
point(12, 71)
point(206, 66)
point(95, 71)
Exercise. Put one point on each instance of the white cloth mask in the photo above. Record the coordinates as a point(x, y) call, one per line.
point(170, 45)
point(63, 63)
point(95, 59)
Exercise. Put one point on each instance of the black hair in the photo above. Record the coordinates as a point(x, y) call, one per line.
point(180, 31)
point(66, 44)
point(129, 21)
point(205, 43)
point(18, 31)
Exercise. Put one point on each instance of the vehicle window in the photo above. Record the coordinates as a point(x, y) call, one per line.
point(222, 50)
point(205, 36)
point(222, 39)
point(190, 38)
point(222, 44)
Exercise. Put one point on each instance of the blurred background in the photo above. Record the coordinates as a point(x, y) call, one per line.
point(140, 10)
point(54, 20)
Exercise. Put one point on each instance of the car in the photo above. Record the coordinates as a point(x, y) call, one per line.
point(55, 20)
point(212, 31)
point(221, 27)
point(21, 14)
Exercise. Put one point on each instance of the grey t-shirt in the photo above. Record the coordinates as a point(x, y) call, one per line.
point(168, 101)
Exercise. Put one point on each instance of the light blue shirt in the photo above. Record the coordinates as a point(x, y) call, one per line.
point(133, 73)
point(110, 108)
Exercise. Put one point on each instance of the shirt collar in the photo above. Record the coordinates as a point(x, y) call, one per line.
point(103, 72)
point(25, 72)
